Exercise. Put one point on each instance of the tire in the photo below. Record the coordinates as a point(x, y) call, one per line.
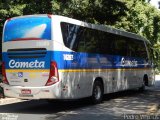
point(142, 88)
point(97, 92)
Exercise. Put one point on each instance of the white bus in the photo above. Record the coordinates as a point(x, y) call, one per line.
point(55, 57)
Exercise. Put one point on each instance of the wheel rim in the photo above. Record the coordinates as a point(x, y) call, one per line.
point(97, 92)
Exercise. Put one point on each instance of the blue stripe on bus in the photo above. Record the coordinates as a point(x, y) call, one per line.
point(79, 60)
point(96, 61)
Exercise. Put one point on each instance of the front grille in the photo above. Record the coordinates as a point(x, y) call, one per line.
point(27, 53)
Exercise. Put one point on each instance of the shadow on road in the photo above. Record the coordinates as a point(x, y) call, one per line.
point(118, 100)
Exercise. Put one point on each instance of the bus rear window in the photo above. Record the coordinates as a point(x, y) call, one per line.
point(28, 28)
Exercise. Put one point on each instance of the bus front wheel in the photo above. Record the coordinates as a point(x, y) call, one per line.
point(142, 88)
point(145, 83)
point(97, 93)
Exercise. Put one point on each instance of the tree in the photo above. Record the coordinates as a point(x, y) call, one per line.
point(8, 9)
point(142, 19)
point(37, 7)
point(94, 11)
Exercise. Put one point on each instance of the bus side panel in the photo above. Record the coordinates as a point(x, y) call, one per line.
point(76, 85)
point(79, 70)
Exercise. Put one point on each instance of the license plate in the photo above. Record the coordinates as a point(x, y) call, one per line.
point(25, 91)
point(25, 95)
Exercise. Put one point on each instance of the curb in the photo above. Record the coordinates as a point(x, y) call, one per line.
point(5, 101)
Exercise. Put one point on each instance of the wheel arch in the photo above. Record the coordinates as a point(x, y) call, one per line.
point(100, 79)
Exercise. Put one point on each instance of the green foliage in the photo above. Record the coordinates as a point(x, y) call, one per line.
point(136, 16)
point(95, 11)
point(142, 19)
point(9, 8)
point(37, 7)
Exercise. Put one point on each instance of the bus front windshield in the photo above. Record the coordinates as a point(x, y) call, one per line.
point(28, 28)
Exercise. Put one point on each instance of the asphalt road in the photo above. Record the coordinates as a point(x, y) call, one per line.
point(127, 105)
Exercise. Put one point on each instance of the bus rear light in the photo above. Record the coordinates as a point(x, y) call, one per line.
point(52, 81)
point(4, 78)
point(53, 77)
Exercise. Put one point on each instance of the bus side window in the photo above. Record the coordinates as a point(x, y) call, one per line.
point(142, 50)
point(81, 45)
point(137, 49)
point(120, 47)
point(106, 43)
point(131, 50)
point(72, 35)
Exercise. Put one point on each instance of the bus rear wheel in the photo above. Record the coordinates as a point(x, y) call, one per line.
point(97, 93)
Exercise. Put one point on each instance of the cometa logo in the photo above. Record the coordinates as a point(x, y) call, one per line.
point(133, 63)
point(32, 64)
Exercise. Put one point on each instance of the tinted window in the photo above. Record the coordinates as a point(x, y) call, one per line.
point(141, 49)
point(106, 41)
point(91, 40)
point(136, 48)
point(72, 34)
point(82, 39)
point(79, 38)
point(120, 46)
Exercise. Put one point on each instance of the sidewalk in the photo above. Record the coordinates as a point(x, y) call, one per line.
point(5, 101)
